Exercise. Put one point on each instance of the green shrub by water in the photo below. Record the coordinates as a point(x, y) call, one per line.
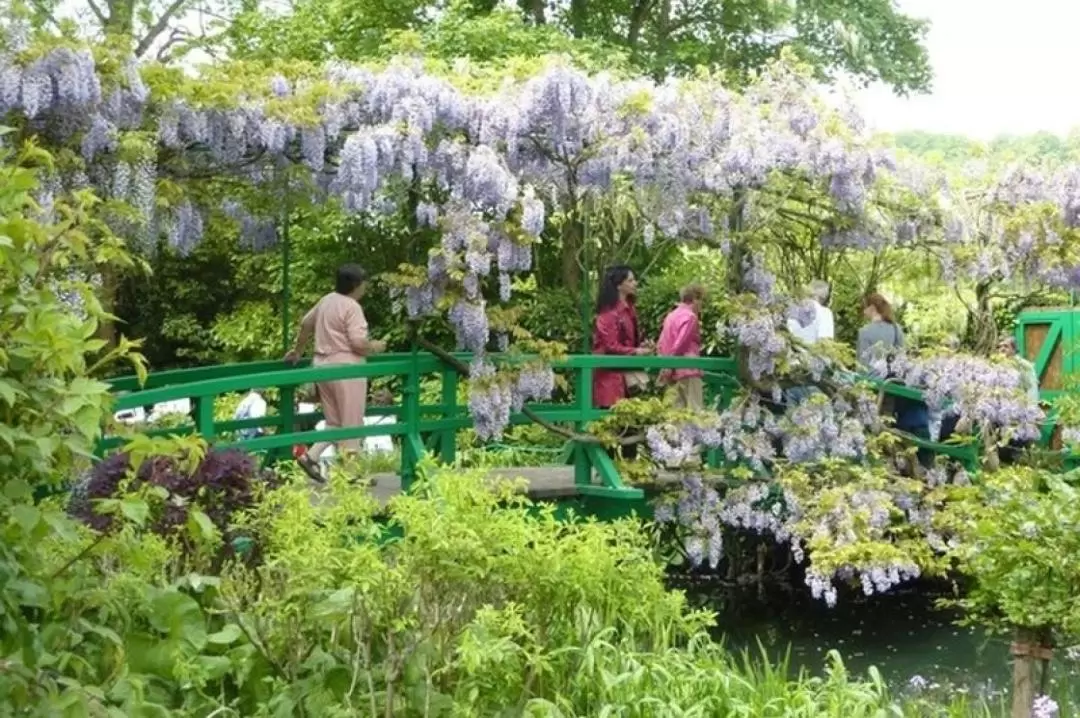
point(463, 605)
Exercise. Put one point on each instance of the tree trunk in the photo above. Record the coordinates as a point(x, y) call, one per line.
point(638, 15)
point(1025, 644)
point(533, 10)
point(110, 283)
point(981, 327)
point(121, 19)
point(661, 41)
point(735, 272)
point(579, 14)
point(571, 268)
point(573, 235)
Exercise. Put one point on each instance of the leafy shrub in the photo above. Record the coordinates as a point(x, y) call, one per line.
point(221, 485)
point(471, 603)
point(1022, 548)
point(51, 408)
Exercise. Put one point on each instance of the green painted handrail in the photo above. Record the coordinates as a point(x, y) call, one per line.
point(438, 422)
point(177, 377)
point(172, 377)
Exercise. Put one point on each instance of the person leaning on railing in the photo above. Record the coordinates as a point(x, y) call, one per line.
point(615, 331)
point(882, 338)
point(820, 326)
point(680, 336)
point(340, 331)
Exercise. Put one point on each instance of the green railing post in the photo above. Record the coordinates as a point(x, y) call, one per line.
point(412, 448)
point(583, 399)
point(287, 409)
point(448, 438)
point(202, 408)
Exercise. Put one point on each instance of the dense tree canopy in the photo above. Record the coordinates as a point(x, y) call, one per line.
point(957, 149)
point(869, 39)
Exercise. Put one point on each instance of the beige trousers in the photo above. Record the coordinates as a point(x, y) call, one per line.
point(690, 393)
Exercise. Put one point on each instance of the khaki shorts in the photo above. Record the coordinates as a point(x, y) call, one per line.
point(690, 393)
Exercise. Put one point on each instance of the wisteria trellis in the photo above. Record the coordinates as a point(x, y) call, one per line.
point(487, 169)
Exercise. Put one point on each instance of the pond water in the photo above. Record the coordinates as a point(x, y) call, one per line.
point(902, 634)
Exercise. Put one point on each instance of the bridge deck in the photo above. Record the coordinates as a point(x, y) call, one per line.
point(545, 482)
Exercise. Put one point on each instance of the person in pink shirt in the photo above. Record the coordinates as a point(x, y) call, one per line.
point(340, 330)
point(681, 337)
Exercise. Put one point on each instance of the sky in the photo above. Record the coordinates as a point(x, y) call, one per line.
point(1000, 67)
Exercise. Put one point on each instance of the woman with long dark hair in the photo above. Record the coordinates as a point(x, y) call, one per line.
point(615, 331)
point(340, 331)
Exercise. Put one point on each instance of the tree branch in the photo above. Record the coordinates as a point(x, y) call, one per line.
point(42, 9)
point(175, 36)
point(97, 12)
point(575, 436)
point(158, 27)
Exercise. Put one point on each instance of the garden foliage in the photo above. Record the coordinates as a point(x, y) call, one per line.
point(469, 602)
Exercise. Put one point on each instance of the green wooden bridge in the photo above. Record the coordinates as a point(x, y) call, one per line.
point(585, 475)
point(585, 472)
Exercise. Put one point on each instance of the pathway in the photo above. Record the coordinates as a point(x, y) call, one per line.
point(545, 482)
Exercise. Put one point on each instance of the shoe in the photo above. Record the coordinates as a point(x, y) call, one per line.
point(310, 468)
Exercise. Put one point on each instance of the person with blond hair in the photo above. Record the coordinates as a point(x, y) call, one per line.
point(681, 337)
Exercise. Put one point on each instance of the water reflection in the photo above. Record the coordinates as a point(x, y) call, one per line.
point(902, 634)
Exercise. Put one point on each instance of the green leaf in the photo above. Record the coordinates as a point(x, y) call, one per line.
point(151, 710)
point(150, 655)
point(87, 421)
point(179, 615)
point(201, 525)
point(104, 631)
point(27, 516)
point(135, 510)
point(198, 581)
point(17, 489)
point(28, 593)
point(226, 636)
point(216, 667)
point(338, 603)
point(8, 393)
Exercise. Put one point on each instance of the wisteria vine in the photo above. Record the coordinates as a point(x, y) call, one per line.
point(487, 172)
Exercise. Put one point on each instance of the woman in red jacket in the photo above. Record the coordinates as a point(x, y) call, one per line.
point(615, 331)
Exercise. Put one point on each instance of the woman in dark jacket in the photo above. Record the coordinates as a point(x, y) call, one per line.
point(615, 331)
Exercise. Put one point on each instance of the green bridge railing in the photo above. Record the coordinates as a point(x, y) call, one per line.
point(420, 427)
point(425, 427)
